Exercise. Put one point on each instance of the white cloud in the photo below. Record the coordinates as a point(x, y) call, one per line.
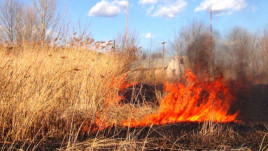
point(145, 2)
point(221, 5)
point(149, 10)
point(148, 35)
point(121, 3)
point(170, 10)
point(108, 9)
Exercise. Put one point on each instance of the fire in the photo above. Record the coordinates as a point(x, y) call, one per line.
point(195, 101)
point(112, 98)
point(117, 84)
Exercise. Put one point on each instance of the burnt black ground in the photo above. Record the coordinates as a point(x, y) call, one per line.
point(256, 107)
point(141, 93)
point(250, 100)
point(194, 135)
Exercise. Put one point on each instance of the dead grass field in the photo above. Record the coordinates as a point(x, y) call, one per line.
point(53, 99)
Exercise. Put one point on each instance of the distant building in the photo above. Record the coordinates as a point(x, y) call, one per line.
point(152, 64)
point(173, 66)
point(177, 66)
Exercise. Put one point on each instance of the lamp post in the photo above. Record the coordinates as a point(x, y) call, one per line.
point(127, 27)
point(211, 44)
point(163, 56)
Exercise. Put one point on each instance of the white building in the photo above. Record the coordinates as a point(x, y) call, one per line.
point(174, 66)
point(177, 66)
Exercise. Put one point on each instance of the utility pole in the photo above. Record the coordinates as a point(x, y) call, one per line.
point(127, 27)
point(211, 44)
point(150, 52)
point(211, 21)
point(114, 46)
point(163, 57)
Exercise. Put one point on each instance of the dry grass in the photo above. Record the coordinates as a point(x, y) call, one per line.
point(55, 97)
point(53, 93)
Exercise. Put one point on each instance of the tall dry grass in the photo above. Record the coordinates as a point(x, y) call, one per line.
point(54, 94)
point(57, 96)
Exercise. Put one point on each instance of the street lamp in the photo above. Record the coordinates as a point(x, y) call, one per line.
point(163, 55)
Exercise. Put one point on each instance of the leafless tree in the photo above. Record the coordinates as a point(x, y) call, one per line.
point(10, 13)
point(133, 40)
point(187, 35)
point(195, 41)
point(263, 54)
point(199, 53)
point(47, 17)
point(242, 49)
point(26, 26)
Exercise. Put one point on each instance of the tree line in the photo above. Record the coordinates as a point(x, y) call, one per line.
point(240, 52)
point(39, 21)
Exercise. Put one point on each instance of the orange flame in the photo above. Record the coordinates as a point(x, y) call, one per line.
point(117, 84)
point(196, 101)
point(112, 98)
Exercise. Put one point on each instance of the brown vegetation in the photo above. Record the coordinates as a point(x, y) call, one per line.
point(58, 93)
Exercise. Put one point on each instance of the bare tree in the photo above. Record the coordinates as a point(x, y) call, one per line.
point(133, 41)
point(10, 13)
point(29, 25)
point(187, 35)
point(194, 41)
point(199, 53)
point(120, 41)
point(242, 49)
point(47, 17)
point(263, 54)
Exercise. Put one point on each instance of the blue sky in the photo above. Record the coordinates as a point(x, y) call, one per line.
point(160, 19)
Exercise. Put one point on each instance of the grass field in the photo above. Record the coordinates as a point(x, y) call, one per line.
point(67, 99)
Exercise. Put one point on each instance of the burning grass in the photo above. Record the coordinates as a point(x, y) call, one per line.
point(195, 101)
point(72, 98)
